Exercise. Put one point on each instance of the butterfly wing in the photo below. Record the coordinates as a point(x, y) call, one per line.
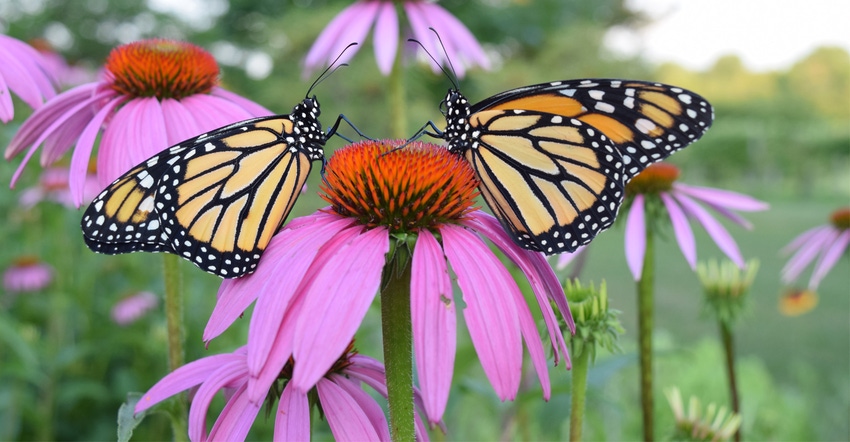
point(215, 200)
point(553, 182)
point(646, 121)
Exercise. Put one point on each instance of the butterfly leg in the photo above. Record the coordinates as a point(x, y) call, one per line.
point(424, 131)
point(333, 130)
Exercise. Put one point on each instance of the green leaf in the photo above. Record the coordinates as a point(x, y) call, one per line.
point(127, 420)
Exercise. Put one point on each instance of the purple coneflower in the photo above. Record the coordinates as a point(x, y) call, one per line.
point(133, 307)
point(53, 186)
point(25, 72)
point(321, 272)
point(153, 94)
point(27, 274)
point(827, 243)
point(353, 23)
point(352, 413)
point(657, 184)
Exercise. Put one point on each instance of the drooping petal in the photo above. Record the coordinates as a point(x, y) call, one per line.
point(226, 375)
point(21, 73)
point(828, 259)
point(465, 49)
point(281, 350)
point(292, 255)
point(184, 378)
point(419, 26)
point(386, 37)
point(491, 316)
point(535, 346)
point(717, 232)
point(682, 229)
point(236, 418)
point(347, 420)
point(7, 108)
point(212, 112)
point(82, 153)
point(340, 291)
point(57, 143)
point(326, 46)
point(636, 237)
point(803, 238)
point(722, 198)
point(543, 280)
point(807, 253)
point(292, 421)
point(136, 133)
point(180, 124)
point(366, 403)
point(434, 323)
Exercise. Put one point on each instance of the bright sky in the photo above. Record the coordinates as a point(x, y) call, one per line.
point(766, 34)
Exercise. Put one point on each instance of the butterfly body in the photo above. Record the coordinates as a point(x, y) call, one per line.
point(553, 158)
point(216, 199)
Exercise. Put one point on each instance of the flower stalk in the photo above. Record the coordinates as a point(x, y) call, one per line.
point(176, 334)
point(398, 340)
point(729, 349)
point(645, 288)
point(397, 105)
point(577, 399)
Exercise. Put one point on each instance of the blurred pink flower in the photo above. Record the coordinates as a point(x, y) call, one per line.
point(154, 94)
point(27, 274)
point(321, 272)
point(827, 243)
point(681, 202)
point(354, 22)
point(53, 186)
point(26, 73)
point(66, 75)
point(131, 308)
point(352, 413)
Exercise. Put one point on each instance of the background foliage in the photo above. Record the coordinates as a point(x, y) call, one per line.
point(781, 136)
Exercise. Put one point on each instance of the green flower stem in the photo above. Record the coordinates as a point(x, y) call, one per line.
point(645, 301)
point(580, 364)
point(398, 342)
point(397, 105)
point(729, 346)
point(176, 335)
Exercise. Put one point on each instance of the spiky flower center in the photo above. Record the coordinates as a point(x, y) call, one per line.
point(841, 218)
point(162, 69)
point(380, 183)
point(656, 178)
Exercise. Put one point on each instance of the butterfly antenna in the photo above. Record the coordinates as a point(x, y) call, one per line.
point(448, 59)
point(450, 75)
point(332, 67)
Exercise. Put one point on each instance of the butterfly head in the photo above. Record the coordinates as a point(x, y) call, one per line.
point(455, 107)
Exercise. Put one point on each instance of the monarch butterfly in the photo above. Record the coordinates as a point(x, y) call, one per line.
point(553, 158)
point(215, 199)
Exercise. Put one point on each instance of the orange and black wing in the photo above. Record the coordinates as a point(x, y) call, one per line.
point(215, 200)
point(553, 182)
point(646, 121)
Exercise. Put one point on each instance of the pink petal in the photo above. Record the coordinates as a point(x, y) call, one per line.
point(226, 375)
point(419, 25)
point(184, 378)
point(528, 327)
point(52, 119)
point(636, 237)
point(20, 73)
point(347, 420)
point(212, 112)
point(722, 198)
point(35, 125)
point(136, 133)
point(281, 350)
point(684, 234)
point(80, 159)
point(254, 109)
point(373, 411)
point(434, 323)
point(807, 253)
point(386, 37)
point(7, 108)
point(717, 232)
point(543, 280)
point(293, 415)
point(491, 317)
point(829, 258)
point(56, 143)
point(236, 418)
point(180, 124)
point(346, 277)
point(293, 253)
point(803, 238)
point(327, 45)
point(466, 49)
